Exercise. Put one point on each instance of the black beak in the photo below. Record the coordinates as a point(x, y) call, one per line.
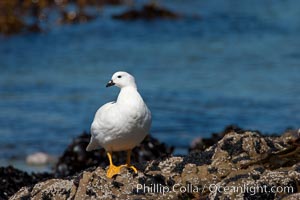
point(110, 83)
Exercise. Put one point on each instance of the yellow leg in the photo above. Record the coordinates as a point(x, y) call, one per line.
point(112, 170)
point(128, 162)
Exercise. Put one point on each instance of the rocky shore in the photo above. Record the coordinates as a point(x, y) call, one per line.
point(75, 159)
point(45, 13)
point(149, 11)
point(234, 164)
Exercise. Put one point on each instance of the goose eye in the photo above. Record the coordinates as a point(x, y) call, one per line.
point(119, 76)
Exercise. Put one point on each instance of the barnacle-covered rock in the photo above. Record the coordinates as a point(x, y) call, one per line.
point(241, 165)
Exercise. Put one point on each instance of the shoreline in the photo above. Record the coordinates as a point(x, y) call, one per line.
point(234, 156)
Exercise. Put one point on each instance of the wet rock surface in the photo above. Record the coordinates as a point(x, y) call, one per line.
point(148, 12)
point(241, 165)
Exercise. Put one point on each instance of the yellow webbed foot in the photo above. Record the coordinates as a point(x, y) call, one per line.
point(113, 170)
point(132, 167)
point(128, 165)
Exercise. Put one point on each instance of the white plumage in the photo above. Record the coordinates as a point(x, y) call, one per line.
point(121, 125)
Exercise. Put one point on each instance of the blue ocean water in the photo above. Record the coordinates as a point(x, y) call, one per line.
point(224, 62)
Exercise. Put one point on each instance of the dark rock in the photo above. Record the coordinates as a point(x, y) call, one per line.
point(152, 179)
point(260, 169)
point(13, 12)
point(76, 158)
point(154, 166)
point(148, 12)
point(98, 2)
point(117, 184)
point(12, 179)
point(236, 178)
point(186, 196)
point(232, 128)
point(112, 2)
point(198, 158)
point(270, 144)
point(297, 168)
point(275, 164)
point(200, 144)
point(241, 158)
point(260, 195)
point(233, 149)
point(212, 170)
point(257, 147)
